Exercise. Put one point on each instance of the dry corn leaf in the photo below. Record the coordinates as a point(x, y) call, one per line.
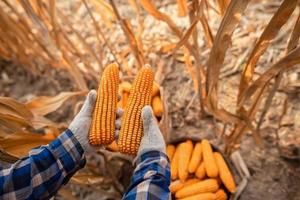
point(167, 48)
point(5, 157)
point(12, 124)
point(13, 119)
point(44, 104)
point(278, 20)
point(293, 42)
point(222, 41)
point(14, 115)
point(241, 128)
point(151, 9)
point(127, 28)
point(39, 122)
point(205, 24)
point(283, 64)
point(223, 4)
point(186, 36)
point(16, 145)
point(294, 39)
point(275, 23)
point(106, 8)
point(189, 66)
point(182, 8)
point(15, 108)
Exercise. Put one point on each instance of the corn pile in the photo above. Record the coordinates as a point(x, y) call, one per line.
point(198, 173)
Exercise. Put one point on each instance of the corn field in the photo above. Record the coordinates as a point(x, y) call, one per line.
point(228, 71)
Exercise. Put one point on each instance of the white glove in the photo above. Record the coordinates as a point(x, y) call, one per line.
point(80, 125)
point(152, 139)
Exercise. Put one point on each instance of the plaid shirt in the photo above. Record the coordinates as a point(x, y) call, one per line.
point(47, 168)
point(40, 175)
point(151, 178)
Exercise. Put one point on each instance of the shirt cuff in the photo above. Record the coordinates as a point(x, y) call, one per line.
point(153, 154)
point(152, 161)
point(69, 151)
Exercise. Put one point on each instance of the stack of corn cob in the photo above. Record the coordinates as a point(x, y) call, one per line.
point(198, 173)
point(133, 98)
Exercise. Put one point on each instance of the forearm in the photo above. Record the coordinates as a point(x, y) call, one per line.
point(46, 168)
point(151, 177)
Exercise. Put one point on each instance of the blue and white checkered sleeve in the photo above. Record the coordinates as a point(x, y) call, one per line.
point(40, 175)
point(151, 178)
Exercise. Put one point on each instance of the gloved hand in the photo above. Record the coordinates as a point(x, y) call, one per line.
point(152, 139)
point(80, 125)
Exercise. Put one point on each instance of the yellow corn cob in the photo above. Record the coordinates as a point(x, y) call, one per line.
point(177, 185)
point(170, 151)
point(209, 160)
point(204, 196)
point(205, 186)
point(124, 99)
point(113, 147)
point(200, 172)
point(103, 122)
point(125, 86)
point(158, 107)
point(185, 153)
point(221, 195)
point(224, 172)
point(155, 89)
point(132, 126)
point(196, 158)
point(174, 164)
point(124, 91)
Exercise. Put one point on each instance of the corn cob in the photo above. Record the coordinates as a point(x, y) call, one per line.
point(155, 89)
point(125, 86)
point(103, 122)
point(177, 185)
point(132, 126)
point(200, 172)
point(204, 196)
point(113, 147)
point(185, 153)
point(170, 151)
point(205, 186)
point(209, 160)
point(157, 105)
point(196, 158)
point(174, 164)
point(124, 91)
point(124, 99)
point(224, 172)
point(221, 195)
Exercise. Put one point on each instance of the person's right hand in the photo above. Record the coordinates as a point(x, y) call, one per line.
point(152, 139)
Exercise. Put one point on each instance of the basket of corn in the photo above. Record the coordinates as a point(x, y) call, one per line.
point(200, 171)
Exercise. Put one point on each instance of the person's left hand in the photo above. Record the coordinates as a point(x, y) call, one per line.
point(80, 125)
